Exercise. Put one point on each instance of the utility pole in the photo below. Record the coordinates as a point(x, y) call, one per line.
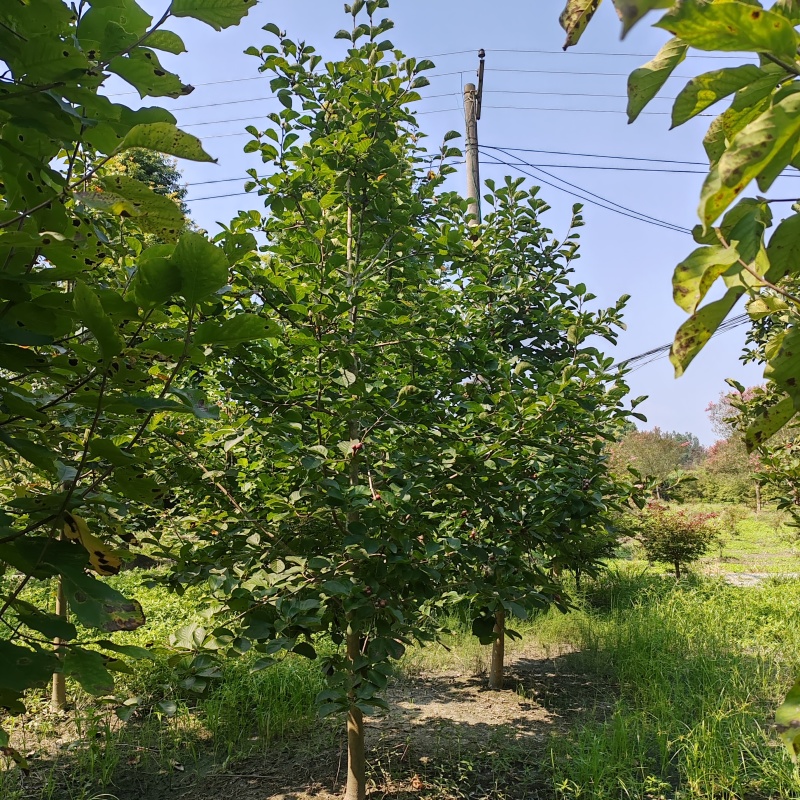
point(473, 98)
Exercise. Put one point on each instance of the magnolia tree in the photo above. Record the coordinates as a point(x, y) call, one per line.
point(385, 442)
point(96, 330)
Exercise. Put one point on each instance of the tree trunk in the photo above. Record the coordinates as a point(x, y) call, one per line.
point(498, 651)
point(677, 570)
point(758, 497)
point(58, 695)
point(356, 752)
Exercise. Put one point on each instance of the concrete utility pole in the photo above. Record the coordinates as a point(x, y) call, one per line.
point(472, 113)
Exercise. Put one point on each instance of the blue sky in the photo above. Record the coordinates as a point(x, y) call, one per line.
point(525, 74)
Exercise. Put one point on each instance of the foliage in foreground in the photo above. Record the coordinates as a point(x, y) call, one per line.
point(97, 329)
point(756, 139)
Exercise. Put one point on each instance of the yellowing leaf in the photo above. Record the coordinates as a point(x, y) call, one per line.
point(755, 148)
point(695, 275)
point(699, 328)
point(103, 559)
point(706, 89)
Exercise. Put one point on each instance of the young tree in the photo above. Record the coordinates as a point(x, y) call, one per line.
point(95, 332)
point(677, 536)
point(390, 410)
point(539, 403)
point(344, 398)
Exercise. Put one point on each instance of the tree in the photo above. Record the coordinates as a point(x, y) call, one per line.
point(655, 455)
point(157, 171)
point(539, 406)
point(755, 139)
point(389, 421)
point(95, 331)
point(676, 536)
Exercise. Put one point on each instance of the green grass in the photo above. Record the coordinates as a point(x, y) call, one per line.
point(700, 668)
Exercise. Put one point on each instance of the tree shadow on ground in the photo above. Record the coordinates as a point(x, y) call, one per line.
point(445, 735)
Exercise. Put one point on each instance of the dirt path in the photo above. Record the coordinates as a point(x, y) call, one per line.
point(437, 724)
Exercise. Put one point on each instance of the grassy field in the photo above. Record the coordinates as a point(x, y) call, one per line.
point(650, 689)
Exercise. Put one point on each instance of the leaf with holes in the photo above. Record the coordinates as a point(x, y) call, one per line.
point(165, 138)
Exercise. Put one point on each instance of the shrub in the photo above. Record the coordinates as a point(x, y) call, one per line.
point(677, 536)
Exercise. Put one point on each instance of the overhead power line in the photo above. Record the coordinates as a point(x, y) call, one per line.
point(635, 363)
point(584, 194)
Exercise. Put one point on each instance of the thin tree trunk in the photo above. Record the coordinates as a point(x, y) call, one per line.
point(356, 752)
point(677, 570)
point(58, 696)
point(758, 497)
point(496, 673)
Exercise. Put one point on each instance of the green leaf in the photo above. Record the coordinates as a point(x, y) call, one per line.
point(789, 9)
point(93, 27)
point(575, 17)
point(157, 278)
point(165, 138)
point(731, 26)
point(128, 650)
point(189, 637)
point(757, 146)
point(88, 667)
point(783, 363)
point(108, 451)
point(166, 40)
point(706, 89)
point(232, 332)
point(154, 213)
point(39, 456)
point(783, 250)
point(311, 251)
point(142, 69)
point(744, 225)
point(645, 82)
point(305, 649)
point(787, 721)
point(136, 485)
point(769, 422)
point(91, 313)
point(24, 668)
point(631, 11)
point(695, 275)
point(216, 13)
point(98, 605)
point(51, 625)
point(202, 266)
point(483, 628)
point(699, 328)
